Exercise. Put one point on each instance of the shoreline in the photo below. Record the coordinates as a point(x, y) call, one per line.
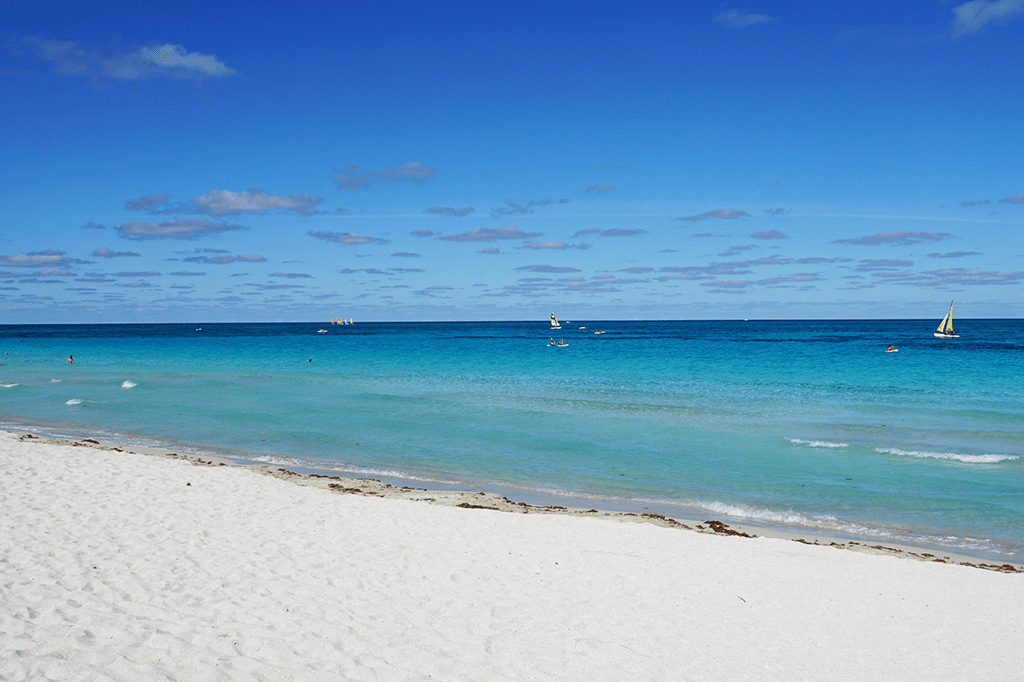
point(141, 564)
point(466, 499)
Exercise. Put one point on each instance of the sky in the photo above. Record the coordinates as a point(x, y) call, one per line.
point(407, 161)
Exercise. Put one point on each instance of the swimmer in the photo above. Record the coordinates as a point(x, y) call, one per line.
point(70, 359)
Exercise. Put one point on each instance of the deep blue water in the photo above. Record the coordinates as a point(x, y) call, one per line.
point(798, 423)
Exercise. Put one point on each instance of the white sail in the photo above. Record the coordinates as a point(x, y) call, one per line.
point(554, 322)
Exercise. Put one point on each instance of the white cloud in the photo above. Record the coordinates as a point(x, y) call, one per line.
point(450, 211)
point(219, 203)
point(175, 59)
point(354, 177)
point(549, 268)
point(156, 61)
point(213, 260)
point(173, 229)
point(104, 252)
point(769, 234)
point(976, 277)
point(735, 19)
point(973, 16)
point(38, 259)
point(555, 245)
point(895, 238)
point(512, 207)
point(345, 237)
point(222, 202)
point(610, 232)
point(725, 213)
point(491, 234)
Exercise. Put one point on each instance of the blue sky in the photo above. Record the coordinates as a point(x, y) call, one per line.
point(500, 161)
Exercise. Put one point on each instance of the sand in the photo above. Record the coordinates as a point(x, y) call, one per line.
point(122, 566)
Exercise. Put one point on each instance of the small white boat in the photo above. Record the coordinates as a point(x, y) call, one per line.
point(945, 330)
point(554, 322)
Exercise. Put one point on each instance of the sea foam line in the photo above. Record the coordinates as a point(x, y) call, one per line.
point(818, 443)
point(129, 384)
point(352, 469)
point(969, 459)
point(74, 401)
point(792, 520)
point(8, 385)
point(831, 524)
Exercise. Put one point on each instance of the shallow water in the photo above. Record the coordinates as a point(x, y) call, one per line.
point(805, 423)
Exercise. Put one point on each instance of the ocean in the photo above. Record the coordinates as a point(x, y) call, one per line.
point(804, 425)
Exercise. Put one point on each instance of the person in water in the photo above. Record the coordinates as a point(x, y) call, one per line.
point(70, 359)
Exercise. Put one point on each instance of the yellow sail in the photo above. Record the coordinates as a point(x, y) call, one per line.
point(946, 326)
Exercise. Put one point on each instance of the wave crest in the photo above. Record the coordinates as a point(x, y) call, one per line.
point(968, 459)
point(817, 443)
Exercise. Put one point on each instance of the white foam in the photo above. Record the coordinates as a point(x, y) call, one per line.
point(969, 459)
point(74, 401)
point(818, 443)
point(8, 385)
point(55, 381)
point(783, 517)
point(352, 469)
point(129, 384)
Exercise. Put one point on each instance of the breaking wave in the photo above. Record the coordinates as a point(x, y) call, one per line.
point(817, 443)
point(969, 459)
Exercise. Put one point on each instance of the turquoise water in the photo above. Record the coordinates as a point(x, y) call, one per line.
point(805, 424)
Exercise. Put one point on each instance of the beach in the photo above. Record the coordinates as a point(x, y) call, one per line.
point(119, 565)
point(813, 430)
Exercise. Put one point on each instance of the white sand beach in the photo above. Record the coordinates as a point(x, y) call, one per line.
point(121, 566)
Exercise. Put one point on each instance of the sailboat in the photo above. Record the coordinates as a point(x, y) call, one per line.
point(554, 322)
point(945, 330)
